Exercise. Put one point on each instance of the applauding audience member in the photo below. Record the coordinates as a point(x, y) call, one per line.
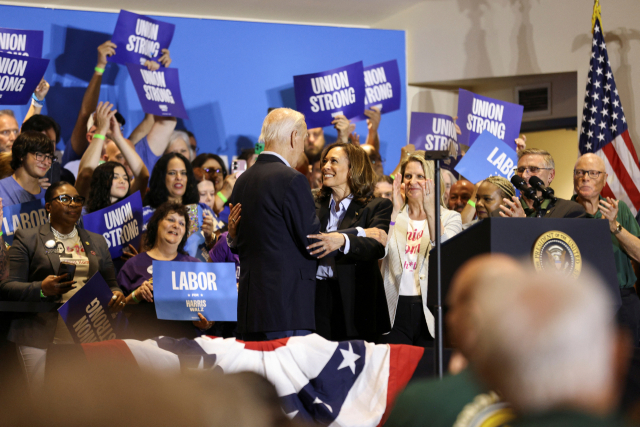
point(589, 179)
point(108, 133)
point(35, 257)
point(487, 197)
point(166, 237)
point(411, 236)
point(449, 179)
point(32, 156)
point(350, 299)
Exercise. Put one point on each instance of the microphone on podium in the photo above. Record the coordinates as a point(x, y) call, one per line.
point(538, 185)
point(521, 185)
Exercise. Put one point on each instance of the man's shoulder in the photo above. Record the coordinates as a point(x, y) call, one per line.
point(569, 208)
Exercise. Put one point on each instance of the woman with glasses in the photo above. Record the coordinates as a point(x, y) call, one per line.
point(34, 264)
point(212, 169)
point(32, 157)
point(173, 180)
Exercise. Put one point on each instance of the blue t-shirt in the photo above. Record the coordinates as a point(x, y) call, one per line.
point(12, 193)
point(144, 151)
point(69, 155)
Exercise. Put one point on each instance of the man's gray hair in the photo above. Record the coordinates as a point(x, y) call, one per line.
point(279, 124)
point(548, 160)
point(7, 113)
point(547, 341)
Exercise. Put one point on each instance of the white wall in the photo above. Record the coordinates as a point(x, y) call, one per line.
point(471, 39)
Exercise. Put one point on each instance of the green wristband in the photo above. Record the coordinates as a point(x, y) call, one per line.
point(98, 136)
point(99, 70)
point(219, 194)
point(471, 203)
point(133, 296)
point(41, 294)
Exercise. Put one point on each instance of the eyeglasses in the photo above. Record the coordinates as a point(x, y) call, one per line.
point(212, 171)
point(579, 173)
point(44, 157)
point(8, 132)
point(532, 169)
point(66, 199)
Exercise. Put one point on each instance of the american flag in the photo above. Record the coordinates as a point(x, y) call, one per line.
point(604, 126)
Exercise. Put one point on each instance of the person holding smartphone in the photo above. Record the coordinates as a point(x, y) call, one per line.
point(41, 260)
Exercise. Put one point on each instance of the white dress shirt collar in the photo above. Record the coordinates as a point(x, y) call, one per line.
point(278, 156)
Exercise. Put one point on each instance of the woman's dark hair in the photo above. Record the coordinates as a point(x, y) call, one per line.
point(101, 183)
point(361, 178)
point(201, 159)
point(41, 123)
point(158, 192)
point(161, 213)
point(29, 142)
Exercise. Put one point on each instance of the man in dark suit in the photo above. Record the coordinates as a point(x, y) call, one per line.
point(277, 287)
point(536, 162)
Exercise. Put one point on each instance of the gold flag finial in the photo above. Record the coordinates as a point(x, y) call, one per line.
point(596, 16)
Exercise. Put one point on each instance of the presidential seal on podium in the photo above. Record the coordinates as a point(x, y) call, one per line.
point(555, 251)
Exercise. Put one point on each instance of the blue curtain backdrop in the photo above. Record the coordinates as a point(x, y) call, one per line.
point(230, 71)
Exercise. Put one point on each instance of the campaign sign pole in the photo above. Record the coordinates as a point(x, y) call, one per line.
point(382, 88)
point(139, 38)
point(440, 147)
point(158, 91)
point(26, 215)
point(322, 96)
point(478, 113)
point(181, 290)
point(21, 42)
point(119, 223)
point(488, 156)
point(19, 76)
point(87, 313)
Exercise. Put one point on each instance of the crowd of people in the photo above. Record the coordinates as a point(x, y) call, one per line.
point(323, 243)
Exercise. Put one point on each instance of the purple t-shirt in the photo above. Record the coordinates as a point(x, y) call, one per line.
point(13, 194)
point(221, 253)
point(140, 268)
point(144, 151)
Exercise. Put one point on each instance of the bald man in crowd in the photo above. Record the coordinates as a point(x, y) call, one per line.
point(589, 178)
point(550, 345)
point(459, 195)
point(276, 291)
point(455, 398)
point(539, 163)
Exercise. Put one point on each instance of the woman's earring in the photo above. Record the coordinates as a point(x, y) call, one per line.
point(49, 217)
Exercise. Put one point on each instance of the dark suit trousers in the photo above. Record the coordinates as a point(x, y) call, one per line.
point(330, 322)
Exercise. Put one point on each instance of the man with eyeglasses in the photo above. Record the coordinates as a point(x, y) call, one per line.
point(537, 162)
point(589, 178)
point(32, 156)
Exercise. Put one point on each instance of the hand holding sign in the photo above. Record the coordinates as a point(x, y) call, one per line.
point(117, 302)
point(102, 117)
point(344, 128)
point(105, 50)
point(41, 90)
point(165, 60)
point(203, 324)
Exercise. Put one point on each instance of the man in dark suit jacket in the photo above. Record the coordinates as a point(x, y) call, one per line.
point(277, 285)
point(536, 162)
point(364, 302)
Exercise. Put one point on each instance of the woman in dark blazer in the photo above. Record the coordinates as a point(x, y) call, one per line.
point(350, 298)
point(34, 260)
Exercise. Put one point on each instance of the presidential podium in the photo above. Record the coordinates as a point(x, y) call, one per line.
point(552, 244)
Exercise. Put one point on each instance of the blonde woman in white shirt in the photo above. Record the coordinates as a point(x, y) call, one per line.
point(411, 237)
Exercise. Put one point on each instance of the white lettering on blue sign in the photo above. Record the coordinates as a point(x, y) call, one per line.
point(502, 162)
point(203, 281)
point(341, 96)
point(155, 87)
point(15, 44)
point(486, 116)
